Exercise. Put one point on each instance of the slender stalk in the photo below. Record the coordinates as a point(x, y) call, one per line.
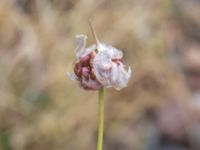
point(100, 119)
point(101, 98)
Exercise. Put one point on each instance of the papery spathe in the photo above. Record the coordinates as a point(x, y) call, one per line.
point(99, 66)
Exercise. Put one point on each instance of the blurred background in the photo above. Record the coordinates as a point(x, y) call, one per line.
point(41, 109)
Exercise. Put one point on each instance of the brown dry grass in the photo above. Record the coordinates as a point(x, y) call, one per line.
point(40, 108)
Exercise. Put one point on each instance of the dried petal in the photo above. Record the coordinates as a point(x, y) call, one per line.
point(71, 76)
point(109, 69)
point(123, 77)
point(81, 44)
point(112, 51)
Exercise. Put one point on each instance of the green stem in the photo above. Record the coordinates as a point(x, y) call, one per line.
point(100, 119)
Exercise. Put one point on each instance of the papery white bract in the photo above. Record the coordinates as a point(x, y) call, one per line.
point(109, 68)
point(99, 66)
point(81, 49)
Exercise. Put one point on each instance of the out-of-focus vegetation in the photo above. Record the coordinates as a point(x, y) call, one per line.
point(41, 109)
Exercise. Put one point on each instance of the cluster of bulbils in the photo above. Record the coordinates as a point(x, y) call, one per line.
point(99, 65)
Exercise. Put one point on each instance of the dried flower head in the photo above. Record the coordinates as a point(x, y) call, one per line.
point(99, 65)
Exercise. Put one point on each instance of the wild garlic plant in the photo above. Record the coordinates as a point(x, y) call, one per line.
point(97, 67)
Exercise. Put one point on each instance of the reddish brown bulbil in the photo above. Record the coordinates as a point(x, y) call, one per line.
point(84, 73)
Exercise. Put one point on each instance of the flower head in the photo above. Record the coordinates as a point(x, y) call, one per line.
point(99, 65)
